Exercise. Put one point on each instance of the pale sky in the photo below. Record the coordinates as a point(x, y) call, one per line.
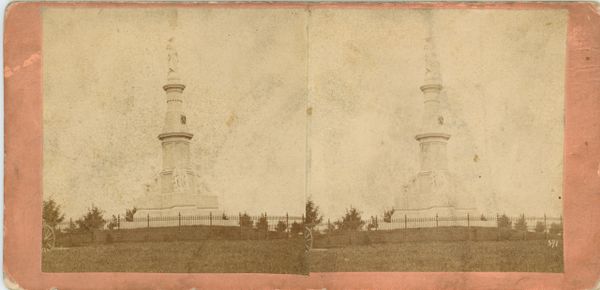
point(503, 75)
point(251, 74)
point(245, 72)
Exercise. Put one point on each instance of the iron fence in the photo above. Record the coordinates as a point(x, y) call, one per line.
point(525, 223)
point(284, 223)
point(403, 228)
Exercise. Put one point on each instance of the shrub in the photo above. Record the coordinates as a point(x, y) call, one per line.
point(92, 220)
point(263, 223)
point(504, 222)
point(246, 221)
point(540, 227)
point(351, 221)
point(296, 228)
point(521, 224)
point(281, 227)
point(114, 223)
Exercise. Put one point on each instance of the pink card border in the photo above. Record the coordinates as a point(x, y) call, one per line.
point(23, 174)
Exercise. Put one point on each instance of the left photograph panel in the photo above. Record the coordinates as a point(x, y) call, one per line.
point(174, 140)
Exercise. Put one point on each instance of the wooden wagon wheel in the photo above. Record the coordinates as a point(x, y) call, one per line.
point(308, 239)
point(48, 238)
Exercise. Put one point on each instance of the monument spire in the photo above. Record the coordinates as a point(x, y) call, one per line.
point(175, 137)
point(434, 137)
point(175, 119)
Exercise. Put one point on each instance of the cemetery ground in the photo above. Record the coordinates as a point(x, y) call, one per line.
point(200, 256)
point(441, 256)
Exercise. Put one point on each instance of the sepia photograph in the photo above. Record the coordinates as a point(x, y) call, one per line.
point(174, 140)
point(436, 140)
point(295, 140)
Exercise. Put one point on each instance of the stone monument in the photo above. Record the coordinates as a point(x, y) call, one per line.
point(434, 190)
point(177, 189)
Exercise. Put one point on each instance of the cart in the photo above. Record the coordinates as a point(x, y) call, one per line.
point(48, 237)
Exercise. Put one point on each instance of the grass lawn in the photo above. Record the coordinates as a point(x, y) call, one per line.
point(208, 256)
point(456, 256)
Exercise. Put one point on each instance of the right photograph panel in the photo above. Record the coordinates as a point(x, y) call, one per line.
point(435, 140)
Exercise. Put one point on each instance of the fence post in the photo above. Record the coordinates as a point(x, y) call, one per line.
point(240, 222)
point(376, 223)
point(561, 222)
point(562, 228)
point(287, 224)
point(405, 221)
point(118, 222)
point(525, 227)
point(468, 221)
point(210, 224)
point(328, 230)
point(148, 219)
point(468, 226)
point(436, 220)
point(497, 227)
point(179, 220)
point(545, 228)
point(267, 220)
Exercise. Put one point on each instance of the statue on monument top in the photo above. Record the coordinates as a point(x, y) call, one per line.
point(432, 65)
point(173, 58)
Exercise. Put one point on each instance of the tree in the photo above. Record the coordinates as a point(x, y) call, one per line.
point(296, 228)
point(387, 215)
point(246, 221)
point(313, 217)
point(504, 227)
point(92, 220)
point(521, 224)
point(263, 223)
point(51, 213)
point(504, 222)
point(129, 213)
point(114, 223)
point(281, 227)
point(540, 227)
point(350, 221)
